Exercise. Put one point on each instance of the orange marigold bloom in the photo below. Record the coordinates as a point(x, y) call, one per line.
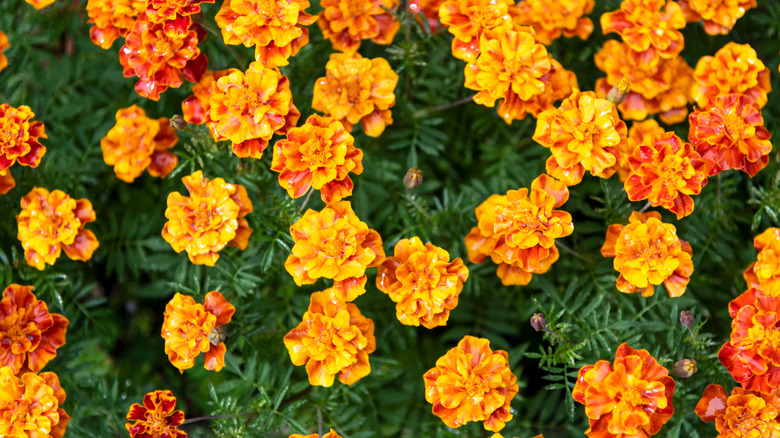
point(735, 68)
point(518, 230)
point(319, 154)
point(195, 108)
point(472, 383)
point(422, 281)
point(638, 134)
point(550, 19)
point(332, 338)
point(331, 434)
point(4, 45)
point(29, 334)
point(207, 220)
point(468, 19)
point(742, 414)
point(173, 14)
point(7, 181)
point(192, 328)
point(730, 134)
point(510, 66)
point(19, 142)
point(719, 15)
point(584, 134)
point(764, 273)
point(137, 143)
point(39, 4)
point(249, 108)
point(51, 222)
point(112, 19)
point(30, 406)
point(274, 27)
point(630, 397)
point(334, 243)
point(648, 252)
point(356, 89)
point(156, 418)
point(160, 59)
point(559, 83)
point(348, 22)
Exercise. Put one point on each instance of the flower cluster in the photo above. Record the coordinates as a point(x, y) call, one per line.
point(550, 19)
point(742, 414)
point(333, 338)
point(518, 230)
point(466, 20)
point(30, 405)
point(19, 142)
point(4, 45)
point(472, 383)
point(348, 22)
point(735, 69)
point(718, 16)
point(156, 417)
point(196, 108)
point(764, 273)
point(422, 281)
point(112, 19)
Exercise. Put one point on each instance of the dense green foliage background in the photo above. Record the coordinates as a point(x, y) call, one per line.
point(115, 302)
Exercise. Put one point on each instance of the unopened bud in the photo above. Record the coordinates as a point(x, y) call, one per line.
point(538, 322)
point(178, 123)
point(686, 319)
point(684, 368)
point(218, 335)
point(413, 178)
point(619, 92)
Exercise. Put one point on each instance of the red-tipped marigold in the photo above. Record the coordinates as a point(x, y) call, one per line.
point(764, 274)
point(174, 15)
point(466, 20)
point(348, 22)
point(19, 142)
point(743, 414)
point(156, 418)
point(112, 19)
point(195, 109)
point(30, 406)
point(735, 68)
point(638, 134)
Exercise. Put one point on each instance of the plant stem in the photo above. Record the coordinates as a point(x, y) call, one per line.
point(572, 252)
point(319, 421)
point(210, 417)
point(422, 112)
point(306, 200)
point(416, 205)
point(644, 209)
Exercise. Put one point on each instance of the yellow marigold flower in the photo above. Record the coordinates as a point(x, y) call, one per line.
point(249, 108)
point(210, 218)
point(584, 134)
point(510, 66)
point(334, 243)
point(39, 4)
point(472, 383)
point(331, 434)
point(192, 328)
point(195, 108)
point(356, 89)
point(19, 142)
point(422, 281)
point(719, 15)
point(137, 143)
point(52, 222)
point(764, 273)
point(4, 45)
point(559, 83)
point(666, 172)
point(648, 252)
point(552, 18)
point(468, 19)
point(742, 414)
point(319, 154)
point(735, 68)
point(112, 19)
point(30, 405)
point(518, 230)
point(638, 134)
point(156, 418)
point(175, 15)
point(348, 22)
point(332, 338)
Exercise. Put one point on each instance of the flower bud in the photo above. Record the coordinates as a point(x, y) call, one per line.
point(619, 92)
point(686, 319)
point(218, 335)
point(684, 368)
point(538, 322)
point(413, 178)
point(178, 123)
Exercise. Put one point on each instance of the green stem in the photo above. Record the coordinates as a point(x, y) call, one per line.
point(306, 200)
point(210, 417)
point(422, 112)
point(416, 205)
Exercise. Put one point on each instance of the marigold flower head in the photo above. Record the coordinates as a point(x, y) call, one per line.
point(4, 45)
point(348, 22)
point(518, 230)
point(648, 252)
point(319, 154)
point(666, 172)
point(471, 382)
point(31, 405)
point(719, 15)
point(333, 338)
point(19, 141)
point(742, 414)
point(195, 108)
point(559, 84)
point(430, 10)
point(356, 89)
point(550, 19)
point(156, 418)
point(584, 134)
point(729, 134)
point(334, 243)
point(422, 281)
point(630, 397)
point(29, 334)
point(112, 19)
point(7, 181)
point(210, 218)
point(39, 4)
point(51, 222)
point(331, 434)
point(764, 274)
point(174, 15)
point(735, 68)
point(468, 19)
point(249, 108)
point(638, 134)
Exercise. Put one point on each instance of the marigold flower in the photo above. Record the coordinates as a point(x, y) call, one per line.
point(51, 222)
point(274, 27)
point(160, 59)
point(319, 154)
point(249, 108)
point(356, 89)
point(550, 19)
point(29, 334)
point(638, 134)
point(422, 281)
point(741, 414)
point(195, 109)
point(331, 434)
point(348, 22)
point(112, 19)
point(332, 338)
point(631, 397)
point(559, 84)
point(30, 406)
point(648, 252)
point(735, 68)
point(19, 141)
point(719, 16)
point(39, 4)
point(472, 383)
point(7, 181)
point(4, 45)
point(518, 230)
point(334, 243)
point(764, 273)
point(584, 134)
point(510, 66)
point(468, 19)
point(173, 14)
point(156, 418)
point(430, 10)
point(730, 134)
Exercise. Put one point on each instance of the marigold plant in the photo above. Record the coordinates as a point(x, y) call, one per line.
point(333, 338)
point(550, 19)
point(19, 142)
point(30, 406)
point(207, 220)
point(466, 20)
point(647, 253)
point(156, 418)
point(742, 414)
point(4, 45)
point(348, 22)
point(195, 108)
point(112, 19)
point(735, 68)
point(764, 273)
point(718, 16)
